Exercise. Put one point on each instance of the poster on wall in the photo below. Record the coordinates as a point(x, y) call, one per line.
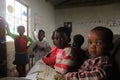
point(68, 25)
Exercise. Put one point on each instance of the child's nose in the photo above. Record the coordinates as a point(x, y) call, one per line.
point(93, 45)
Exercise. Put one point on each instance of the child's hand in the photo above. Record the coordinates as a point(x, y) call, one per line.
point(41, 48)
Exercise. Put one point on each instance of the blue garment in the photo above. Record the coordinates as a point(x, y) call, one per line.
point(21, 58)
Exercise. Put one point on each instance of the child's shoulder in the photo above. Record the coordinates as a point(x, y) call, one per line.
point(100, 59)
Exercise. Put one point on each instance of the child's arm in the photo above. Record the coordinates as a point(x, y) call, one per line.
point(31, 48)
point(98, 71)
point(9, 33)
point(49, 60)
point(30, 41)
point(48, 47)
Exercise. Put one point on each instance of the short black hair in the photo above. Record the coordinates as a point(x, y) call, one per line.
point(41, 31)
point(20, 26)
point(78, 38)
point(105, 32)
point(66, 31)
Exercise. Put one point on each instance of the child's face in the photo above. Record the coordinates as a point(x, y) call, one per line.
point(21, 30)
point(41, 35)
point(96, 44)
point(60, 40)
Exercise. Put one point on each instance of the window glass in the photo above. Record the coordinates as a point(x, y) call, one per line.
point(16, 14)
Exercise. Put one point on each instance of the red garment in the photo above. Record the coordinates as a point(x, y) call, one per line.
point(52, 58)
point(64, 60)
point(21, 44)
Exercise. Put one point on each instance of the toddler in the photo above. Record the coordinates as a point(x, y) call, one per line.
point(99, 65)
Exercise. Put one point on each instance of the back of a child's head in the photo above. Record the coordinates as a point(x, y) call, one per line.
point(2, 21)
point(78, 40)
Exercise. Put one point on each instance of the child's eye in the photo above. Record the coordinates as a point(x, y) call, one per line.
point(89, 42)
point(99, 43)
point(55, 38)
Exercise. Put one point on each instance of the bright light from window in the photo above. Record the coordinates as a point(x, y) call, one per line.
point(16, 14)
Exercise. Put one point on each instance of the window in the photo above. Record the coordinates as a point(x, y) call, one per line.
point(16, 14)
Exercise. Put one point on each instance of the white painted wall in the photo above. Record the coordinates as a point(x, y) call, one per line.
point(41, 17)
point(2, 8)
point(85, 18)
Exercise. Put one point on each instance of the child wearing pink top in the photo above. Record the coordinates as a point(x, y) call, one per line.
point(63, 59)
point(51, 57)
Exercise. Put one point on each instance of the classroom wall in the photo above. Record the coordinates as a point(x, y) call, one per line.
point(85, 18)
point(41, 17)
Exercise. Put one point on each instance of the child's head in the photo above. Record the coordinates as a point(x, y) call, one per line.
point(3, 21)
point(100, 41)
point(21, 30)
point(62, 37)
point(78, 40)
point(41, 34)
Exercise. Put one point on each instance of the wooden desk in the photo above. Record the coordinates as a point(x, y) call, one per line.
point(41, 71)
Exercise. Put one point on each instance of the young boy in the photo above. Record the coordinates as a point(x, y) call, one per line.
point(77, 51)
point(98, 66)
point(21, 43)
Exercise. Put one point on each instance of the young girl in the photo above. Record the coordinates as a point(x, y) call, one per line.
point(98, 66)
point(40, 47)
point(51, 57)
point(63, 57)
point(21, 43)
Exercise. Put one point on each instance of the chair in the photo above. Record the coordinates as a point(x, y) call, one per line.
point(115, 54)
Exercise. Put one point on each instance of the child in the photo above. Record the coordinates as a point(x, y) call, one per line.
point(98, 66)
point(21, 43)
point(40, 47)
point(77, 51)
point(51, 57)
point(63, 57)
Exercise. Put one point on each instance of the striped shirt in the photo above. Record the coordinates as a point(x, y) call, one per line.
point(64, 60)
